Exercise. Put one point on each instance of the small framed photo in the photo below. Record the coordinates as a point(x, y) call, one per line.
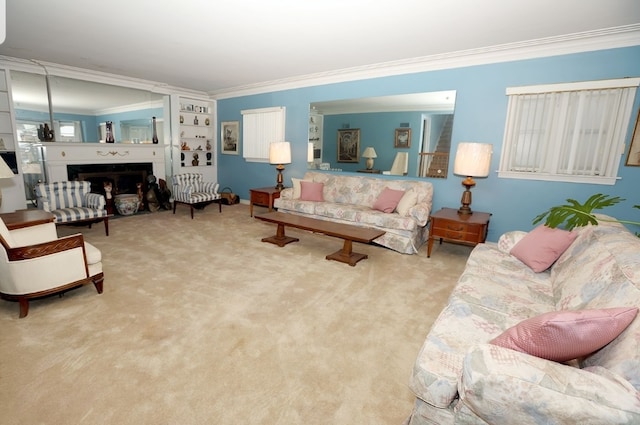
point(230, 137)
point(633, 157)
point(349, 145)
point(403, 138)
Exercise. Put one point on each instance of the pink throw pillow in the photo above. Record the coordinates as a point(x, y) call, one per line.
point(388, 200)
point(311, 191)
point(565, 335)
point(542, 246)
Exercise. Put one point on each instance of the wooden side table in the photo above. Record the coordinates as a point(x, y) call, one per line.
point(449, 226)
point(263, 196)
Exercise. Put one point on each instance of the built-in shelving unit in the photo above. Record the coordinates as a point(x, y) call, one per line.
point(197, 143)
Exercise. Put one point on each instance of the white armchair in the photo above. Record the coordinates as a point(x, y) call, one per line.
point(35, 263)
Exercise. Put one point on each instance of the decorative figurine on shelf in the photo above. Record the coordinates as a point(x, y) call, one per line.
point(184, 146)
point(109, 130)
point(47, 133)
point(195, 120)
point(155, 132)
point(181, 119)
point(207, 122)
point(195, 160)
point(208, 145)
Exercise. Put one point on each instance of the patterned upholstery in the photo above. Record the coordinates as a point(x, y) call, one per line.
point(349, 199)
point(459, 378)
point(190, 189)
point(72, 201)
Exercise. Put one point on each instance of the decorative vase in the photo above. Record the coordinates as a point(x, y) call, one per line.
point(155, 132)
point(109, 136)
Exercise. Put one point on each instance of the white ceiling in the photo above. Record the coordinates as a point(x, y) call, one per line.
point(219, 46)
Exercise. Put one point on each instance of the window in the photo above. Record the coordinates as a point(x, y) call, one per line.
point(567, 132)
point(260, 127)
point(68, 131)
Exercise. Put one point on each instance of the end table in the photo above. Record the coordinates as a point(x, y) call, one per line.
point(263, 196)
point(449, 226)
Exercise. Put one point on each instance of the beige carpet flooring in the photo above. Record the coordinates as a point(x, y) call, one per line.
point(202, 323)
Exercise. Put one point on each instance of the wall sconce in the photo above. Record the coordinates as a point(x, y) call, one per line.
point(472, 160)
point(369, 153)
point(280, 154)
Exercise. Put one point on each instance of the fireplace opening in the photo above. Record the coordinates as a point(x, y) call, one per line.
point(124, 178)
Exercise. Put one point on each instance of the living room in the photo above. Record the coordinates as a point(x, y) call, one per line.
point(480, 77)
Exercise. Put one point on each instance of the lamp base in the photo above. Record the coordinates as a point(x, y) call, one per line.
point(279, 180)
point(468, 183)
point(369, 163)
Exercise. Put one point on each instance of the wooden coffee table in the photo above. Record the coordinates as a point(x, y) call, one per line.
point(347, 232)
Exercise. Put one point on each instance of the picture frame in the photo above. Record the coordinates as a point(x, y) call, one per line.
point(402, 139)
point(230, 137)
point(633, 156)
point(349, 145)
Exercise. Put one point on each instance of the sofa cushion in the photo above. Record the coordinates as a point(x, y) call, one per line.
point(311, 191)
point(542, 246)
point(408, 200)
point(565, 335)
point(295, 183)
point(388, 200)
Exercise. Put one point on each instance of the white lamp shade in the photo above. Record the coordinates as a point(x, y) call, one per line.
point(280, 153)
point(473, 159)
point(5, 171)
point(369, 152)
point(310, 152)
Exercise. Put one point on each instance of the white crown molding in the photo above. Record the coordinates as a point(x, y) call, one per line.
point(49, 68)
point(608, 38)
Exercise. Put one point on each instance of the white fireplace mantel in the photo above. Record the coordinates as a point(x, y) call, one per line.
point(59, 155)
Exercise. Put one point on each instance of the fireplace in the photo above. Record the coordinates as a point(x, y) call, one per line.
point(124, 178)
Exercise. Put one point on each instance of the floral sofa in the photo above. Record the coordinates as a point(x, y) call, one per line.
point(350, 199)
point(464, 375)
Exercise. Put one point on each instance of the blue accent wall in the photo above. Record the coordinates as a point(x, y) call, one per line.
point(481, 105)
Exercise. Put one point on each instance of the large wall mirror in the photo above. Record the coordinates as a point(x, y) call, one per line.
point(410, 134)
point(75, 110)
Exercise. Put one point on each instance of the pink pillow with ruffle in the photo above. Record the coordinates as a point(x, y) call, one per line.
point(388, 200)
point(566, 335)
point(542, 246)
point(311, 191)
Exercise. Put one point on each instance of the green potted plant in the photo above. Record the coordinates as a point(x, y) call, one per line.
point(574, 214)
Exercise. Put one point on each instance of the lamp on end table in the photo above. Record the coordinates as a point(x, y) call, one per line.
point(280, 154)
point(369, 153)
point(472, 160)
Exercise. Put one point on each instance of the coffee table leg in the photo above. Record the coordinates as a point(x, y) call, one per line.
point(280, 238)
point(346, 254)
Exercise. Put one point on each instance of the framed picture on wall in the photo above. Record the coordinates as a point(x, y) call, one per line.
point(349, 145)
point(403, 138)
point(230, 137)
point(633, 157)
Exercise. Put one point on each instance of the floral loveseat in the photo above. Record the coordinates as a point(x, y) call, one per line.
point(350, 199)
point(461, 376)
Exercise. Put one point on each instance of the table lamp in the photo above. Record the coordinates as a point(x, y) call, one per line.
point(280, 154)
point(472, 160)
point(5, 173)
point(369, 153)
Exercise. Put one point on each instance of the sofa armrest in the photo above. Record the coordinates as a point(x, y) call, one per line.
point(95, 200)
point(503, 386)
point(420, 212)
point(286, 193)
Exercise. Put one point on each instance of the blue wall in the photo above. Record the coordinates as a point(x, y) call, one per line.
point(480, 113)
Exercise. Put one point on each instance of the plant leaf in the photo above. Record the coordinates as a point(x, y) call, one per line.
point(574, 214)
